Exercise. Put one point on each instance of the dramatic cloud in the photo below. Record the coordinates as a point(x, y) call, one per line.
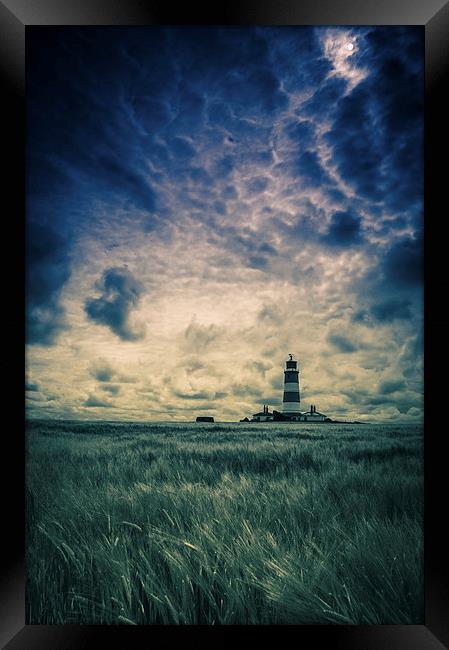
point(199, 337)
point(377, 132)
point(96, 402)
point(47, 272)
point(342, 343)
point(112, 389)
point(237, 192)
point(341, 46)
point(391, 386)
point(344, 230)
point(102, 370)
point(390, 310)
point(121, 292)
point(404, 264)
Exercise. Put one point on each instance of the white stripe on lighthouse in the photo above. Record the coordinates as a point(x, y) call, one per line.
point(291, 407)
point(291, 387)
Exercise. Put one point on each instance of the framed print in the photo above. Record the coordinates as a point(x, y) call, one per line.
point(233, 324)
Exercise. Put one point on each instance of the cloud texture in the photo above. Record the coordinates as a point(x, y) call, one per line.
point(204, 200)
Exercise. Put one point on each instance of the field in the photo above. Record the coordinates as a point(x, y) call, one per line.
point(224, 523)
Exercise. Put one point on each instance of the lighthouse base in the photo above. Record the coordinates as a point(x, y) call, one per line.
point(311, 416)
point(291, 409)
point(286, 417)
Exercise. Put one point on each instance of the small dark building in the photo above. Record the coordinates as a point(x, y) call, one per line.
point(205, 418)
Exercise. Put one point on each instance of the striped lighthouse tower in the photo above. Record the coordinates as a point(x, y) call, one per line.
point(291, 388)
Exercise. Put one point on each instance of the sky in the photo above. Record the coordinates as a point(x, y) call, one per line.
point(203, 201)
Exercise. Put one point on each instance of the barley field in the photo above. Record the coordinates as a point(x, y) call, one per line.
point(133, 523)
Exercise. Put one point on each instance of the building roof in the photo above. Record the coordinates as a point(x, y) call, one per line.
point(262, 413)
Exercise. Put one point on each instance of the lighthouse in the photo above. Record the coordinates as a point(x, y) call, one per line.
point(290, 401)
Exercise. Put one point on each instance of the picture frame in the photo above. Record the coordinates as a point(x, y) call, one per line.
point(15, 18)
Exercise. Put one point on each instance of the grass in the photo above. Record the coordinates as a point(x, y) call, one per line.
point(224, 524)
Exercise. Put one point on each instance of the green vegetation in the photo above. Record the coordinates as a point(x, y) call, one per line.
point(224, 524)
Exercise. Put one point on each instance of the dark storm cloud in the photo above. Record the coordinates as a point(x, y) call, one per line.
point(344, 230)
point(233, 61)
point(121, 292)
point(117, 176)
point(81, 126)
point(302, 133)
point(224, 166)
point(181, 148)
point(364, 399)
point(381, 310)
point(102, 370)
point(390, 310)
point(304, 227)
point(310, 170)
point(152, 114)
point(142, 95)
point(96, 402)
point(81, 148)
point(193, 396)
point(163, 122)
point(357, 148)
point(220, 207)
point(267, 248)
point(258, 262)
point(47, 272)
point(342, 343)
point(411, 357)
point(377, 132)
point(404, 263)
point(230, 192)
point(257, 185)
point(297, 56)
point(122, 89)
point(190, 108)
point(112, 389)
point(389, 386)
point(392, 291)
point(260, 91)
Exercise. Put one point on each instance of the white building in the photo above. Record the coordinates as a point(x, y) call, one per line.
point(264, 416)
point(313, 415)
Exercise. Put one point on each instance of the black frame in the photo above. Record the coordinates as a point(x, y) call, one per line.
point(15, 16)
